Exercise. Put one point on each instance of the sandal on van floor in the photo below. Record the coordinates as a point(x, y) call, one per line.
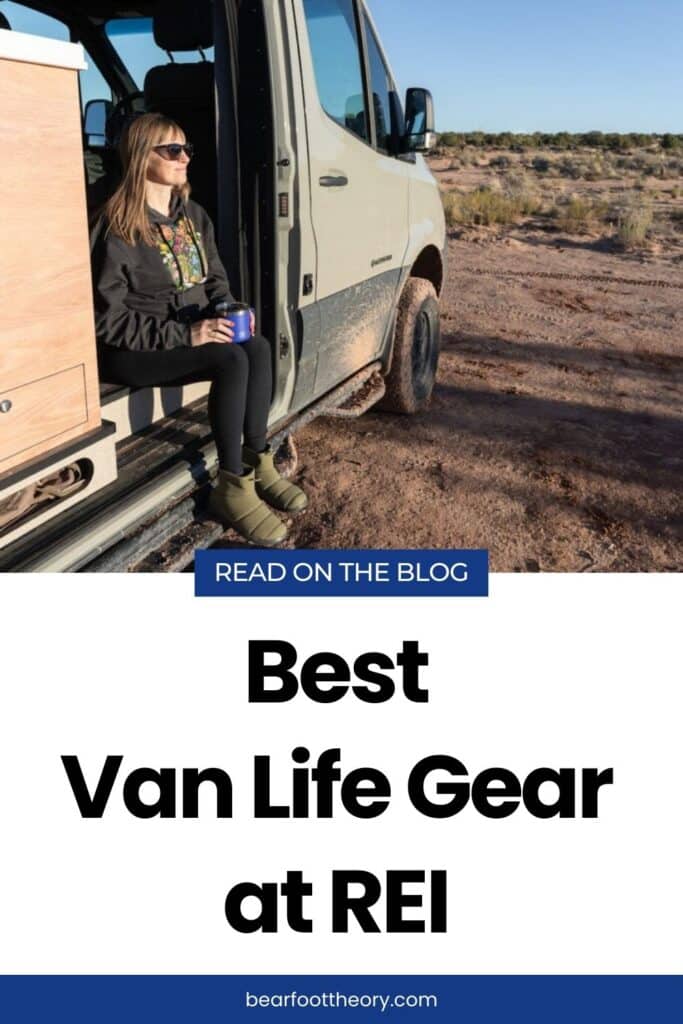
point(234, 501)
point(271, 486)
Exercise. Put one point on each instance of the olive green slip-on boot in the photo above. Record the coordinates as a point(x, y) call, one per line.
point(235, 502)
point(271, 486)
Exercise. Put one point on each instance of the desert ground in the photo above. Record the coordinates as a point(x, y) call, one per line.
point(554, 436)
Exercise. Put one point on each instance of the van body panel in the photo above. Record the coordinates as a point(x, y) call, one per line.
point(426, 222)
point(356, 322)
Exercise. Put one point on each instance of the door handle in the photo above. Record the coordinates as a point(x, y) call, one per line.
point(334, 181)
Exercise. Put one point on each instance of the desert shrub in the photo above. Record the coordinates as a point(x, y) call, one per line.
point(500, 162)
point(485, 207)
point(578, 215)
point(634, 220)
point(592, 167)
point(519, 187)
point(640, 162)
point(570, 167)
point(593, 139)
point(451, 201)
point(540, 164)
point(657, 166)
point(617, 143)
point(599, 167)
point(451, 139)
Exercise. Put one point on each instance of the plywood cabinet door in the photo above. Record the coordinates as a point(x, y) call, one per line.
point(46, 315)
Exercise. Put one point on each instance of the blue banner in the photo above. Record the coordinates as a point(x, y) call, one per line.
point(590, 999)
point(245, 573)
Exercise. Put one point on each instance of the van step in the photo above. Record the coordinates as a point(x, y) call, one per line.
point(360, 401)
point(166, 544)
point(151, 518)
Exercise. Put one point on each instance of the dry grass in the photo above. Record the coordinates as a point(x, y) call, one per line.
point(579, 215)
point(632, 197)
point(486, 206)
point(634, 222)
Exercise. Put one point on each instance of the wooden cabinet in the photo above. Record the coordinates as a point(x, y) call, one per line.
point(49, 393)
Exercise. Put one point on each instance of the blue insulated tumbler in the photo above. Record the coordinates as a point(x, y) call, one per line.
point(238, 315)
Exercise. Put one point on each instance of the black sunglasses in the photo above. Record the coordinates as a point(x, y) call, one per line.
point(172, 150)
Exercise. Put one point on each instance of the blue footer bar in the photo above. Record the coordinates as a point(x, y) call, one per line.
point(544, 999)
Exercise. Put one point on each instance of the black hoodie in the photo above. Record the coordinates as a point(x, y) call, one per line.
point(146, 296)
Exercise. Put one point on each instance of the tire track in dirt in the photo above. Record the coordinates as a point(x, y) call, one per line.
point(506, 311)
point(584, 278)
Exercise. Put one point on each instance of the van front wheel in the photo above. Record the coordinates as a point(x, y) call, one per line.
point(417, 343)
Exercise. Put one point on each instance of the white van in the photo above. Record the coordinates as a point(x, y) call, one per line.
point(329, 223)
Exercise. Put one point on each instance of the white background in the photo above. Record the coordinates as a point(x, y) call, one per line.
point(550, 670)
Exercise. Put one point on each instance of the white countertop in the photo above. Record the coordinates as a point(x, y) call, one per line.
point(39, 50)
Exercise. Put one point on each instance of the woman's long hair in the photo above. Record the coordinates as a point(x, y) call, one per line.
point(126, 210)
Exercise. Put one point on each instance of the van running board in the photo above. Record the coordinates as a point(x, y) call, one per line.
point(362, 400)
point(335, 401)
point(158, 525)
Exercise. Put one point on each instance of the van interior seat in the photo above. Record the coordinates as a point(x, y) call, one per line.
point(186, 92)
point(4, 23)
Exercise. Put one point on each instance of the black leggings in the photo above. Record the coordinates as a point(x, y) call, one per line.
point(241, 386)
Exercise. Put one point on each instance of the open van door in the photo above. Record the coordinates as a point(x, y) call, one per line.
point(359, 186)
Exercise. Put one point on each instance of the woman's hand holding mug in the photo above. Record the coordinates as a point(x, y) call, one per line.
point(211, 332)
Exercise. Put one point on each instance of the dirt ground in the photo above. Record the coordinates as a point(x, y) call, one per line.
point(554, 436)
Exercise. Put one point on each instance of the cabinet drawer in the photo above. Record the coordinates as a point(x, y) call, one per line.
point(36, 413)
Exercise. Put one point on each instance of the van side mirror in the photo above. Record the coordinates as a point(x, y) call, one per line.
point(95, 121)
point(420, 134)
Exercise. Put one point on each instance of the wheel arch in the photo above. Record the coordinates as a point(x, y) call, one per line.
point(429, 265)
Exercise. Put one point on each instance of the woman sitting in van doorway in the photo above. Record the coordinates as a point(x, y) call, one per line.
point(157, 279)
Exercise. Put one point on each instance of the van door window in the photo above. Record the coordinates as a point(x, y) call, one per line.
point(35, 23)
point(337, 61)
point(382, 88)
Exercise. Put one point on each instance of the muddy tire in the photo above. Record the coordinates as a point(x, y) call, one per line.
point(417, 344)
